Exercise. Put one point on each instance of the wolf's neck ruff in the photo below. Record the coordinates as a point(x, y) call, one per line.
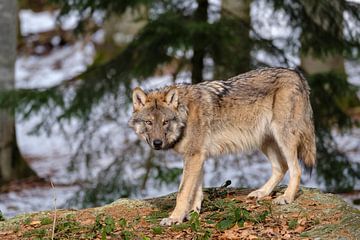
point(268, 109)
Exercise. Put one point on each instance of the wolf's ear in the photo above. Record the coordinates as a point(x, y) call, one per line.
point(139, 98)
point(172, 98)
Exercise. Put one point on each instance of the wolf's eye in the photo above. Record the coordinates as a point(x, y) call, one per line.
point(148, 123)
point(166, 122)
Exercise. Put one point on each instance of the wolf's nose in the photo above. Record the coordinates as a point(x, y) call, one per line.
point(157, 143)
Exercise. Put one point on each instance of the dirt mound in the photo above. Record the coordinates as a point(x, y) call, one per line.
point(226, 214)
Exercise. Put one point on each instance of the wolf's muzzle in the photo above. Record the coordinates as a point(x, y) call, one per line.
point(157, 143)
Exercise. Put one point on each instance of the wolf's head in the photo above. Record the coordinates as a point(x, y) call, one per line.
point(157, 118)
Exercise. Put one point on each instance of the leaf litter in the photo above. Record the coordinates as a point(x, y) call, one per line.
point(229, 215)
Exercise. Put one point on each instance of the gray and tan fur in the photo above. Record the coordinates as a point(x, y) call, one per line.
point(266, 109)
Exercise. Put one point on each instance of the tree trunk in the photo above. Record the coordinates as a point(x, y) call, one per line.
point(241, 10)
point(313, 65)
point(197, 60)
point(12, 165)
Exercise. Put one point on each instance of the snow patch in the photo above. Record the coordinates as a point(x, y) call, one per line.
point(35, 22)
point(61, 64)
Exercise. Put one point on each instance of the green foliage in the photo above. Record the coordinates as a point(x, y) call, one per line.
point(220, 205)
point(16, 227)
point(158, 230)
point(293, 223)
point(111, 184)
point(35, 233)
point(2, 218)
point(194, 221)
point(233, 214)
point(174, 29)
point(128, 229)
point(154, 217)
point(67, 226)
point(322, 33)
point(194, 224)
point(219, 192)
point(180, 227)
point(356, 201)
point(261, 217)
point(167, 175)
point(109, 224)
point(123, 222)
point(104, 225)
point(237, 216)
point(165, 34)
point(28, 102)
point(46, 221)
point(331, 97)
point(27, 221)
point(225, 224)
point(206, 236)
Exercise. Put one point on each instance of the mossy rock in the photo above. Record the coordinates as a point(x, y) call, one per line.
point(226, 214)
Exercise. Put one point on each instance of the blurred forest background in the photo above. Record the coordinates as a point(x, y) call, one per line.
point(67, 68)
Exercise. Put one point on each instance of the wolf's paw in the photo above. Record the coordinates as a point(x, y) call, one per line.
point(170, 221)
point(283, 199)
point(257, 194)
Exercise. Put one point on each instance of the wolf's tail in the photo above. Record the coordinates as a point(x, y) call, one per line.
point(307, 145)
point(307, 148)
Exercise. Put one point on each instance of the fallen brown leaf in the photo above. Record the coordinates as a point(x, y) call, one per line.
point(252, 237)
point(35, 222)
point(299, 229)
point(302, 222)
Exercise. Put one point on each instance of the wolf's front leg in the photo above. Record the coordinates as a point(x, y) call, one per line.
point(198, 196)
point(188, 195)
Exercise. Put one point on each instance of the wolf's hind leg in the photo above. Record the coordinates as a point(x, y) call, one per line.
point(278, 166)
point(288, 149)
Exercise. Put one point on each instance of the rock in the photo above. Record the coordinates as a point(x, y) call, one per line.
point(226, 214)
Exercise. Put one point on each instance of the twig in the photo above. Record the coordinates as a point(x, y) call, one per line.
point(54, 221)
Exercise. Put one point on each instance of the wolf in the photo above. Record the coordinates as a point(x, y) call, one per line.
point(266, 109)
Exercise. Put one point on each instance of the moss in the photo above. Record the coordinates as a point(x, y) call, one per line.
point(35, 233)
point(46, 221)
point(349, 222)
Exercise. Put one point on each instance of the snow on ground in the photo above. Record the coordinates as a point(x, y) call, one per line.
point(46, 71)
point(32, 22)
point(49, 155)
point(34, 199)
point(35, 22)
point(353, 71)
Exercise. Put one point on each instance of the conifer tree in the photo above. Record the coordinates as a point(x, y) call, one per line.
point(189, 27)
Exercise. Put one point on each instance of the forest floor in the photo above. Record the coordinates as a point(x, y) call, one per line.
point(226, 214)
